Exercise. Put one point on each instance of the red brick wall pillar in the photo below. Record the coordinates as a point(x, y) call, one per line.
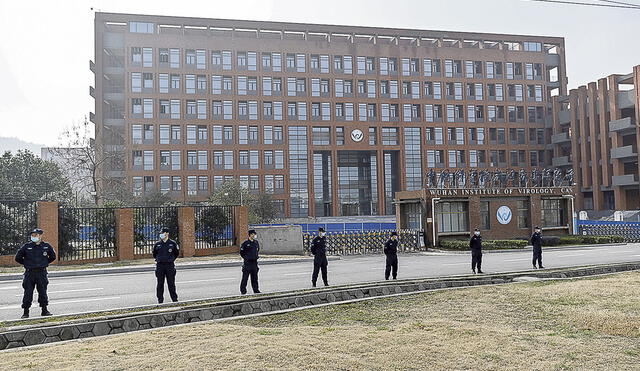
point(241, 224)
point(187, 228)
point(124, 234)
point(48, 221)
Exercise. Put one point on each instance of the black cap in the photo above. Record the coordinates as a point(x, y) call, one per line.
point(394, 233)
point(536, 227)
point(36, 230)
point(252, 231)
point(320, 229)
point(477, 230)
point(165, 230)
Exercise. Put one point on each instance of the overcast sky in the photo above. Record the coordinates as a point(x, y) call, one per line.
point(46, 46)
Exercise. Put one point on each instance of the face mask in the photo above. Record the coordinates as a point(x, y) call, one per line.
point(162, 236)
point(537, 231)
point(476, 233)
point(35, 239)
point(322, 234)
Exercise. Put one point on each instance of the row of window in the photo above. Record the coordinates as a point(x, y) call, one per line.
point(342, 64)
point(199, 160)
point(199, 134)
point(299, 87)
point(199, 185)
point(475, 158)
point(322, 111)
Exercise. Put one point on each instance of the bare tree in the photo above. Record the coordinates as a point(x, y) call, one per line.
point(83, 159)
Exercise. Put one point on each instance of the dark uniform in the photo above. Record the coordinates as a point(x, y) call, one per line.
point(536, 241)
point(391, 251)
point(319, 251)
point(249, 252)
point(35, 257)
point(476, 253)
point(165, 253)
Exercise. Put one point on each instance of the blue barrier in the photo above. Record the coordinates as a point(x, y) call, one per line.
point(608, 222)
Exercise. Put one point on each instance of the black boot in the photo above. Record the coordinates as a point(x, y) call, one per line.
point(26, 313)
point(45, 312)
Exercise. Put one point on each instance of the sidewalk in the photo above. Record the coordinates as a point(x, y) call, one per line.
point(526, 248)
point(147, 265)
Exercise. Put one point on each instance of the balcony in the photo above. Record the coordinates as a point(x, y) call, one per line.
point(561, 161)
point(560, 138)
point(626, 99)
point(627, 123)
point(624, 180)
point(623, 152)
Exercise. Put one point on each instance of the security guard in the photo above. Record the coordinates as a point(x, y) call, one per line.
point(476, 251)
point(536, 241)
point(319, 251)
point(165, 252)
point(249, 252)
point(35, 256)
point(391, 251)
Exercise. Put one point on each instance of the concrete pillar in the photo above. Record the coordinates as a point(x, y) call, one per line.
point(48, 221)
point(187, 231)
point(124, 234)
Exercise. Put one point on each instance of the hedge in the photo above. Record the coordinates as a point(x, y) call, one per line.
point(451, 244)
point(488, 244)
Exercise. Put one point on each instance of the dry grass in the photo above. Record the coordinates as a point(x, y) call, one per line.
point(583, 324)
point(199, 259)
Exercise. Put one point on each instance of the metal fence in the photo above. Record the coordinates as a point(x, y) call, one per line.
point(214, 226)
point(371, 242)
point(629, 231)
point(147, 222)
point(338, 227)
point(86, 233)
point(16, 219)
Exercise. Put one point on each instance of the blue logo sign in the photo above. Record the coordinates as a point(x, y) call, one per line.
point(504, 215)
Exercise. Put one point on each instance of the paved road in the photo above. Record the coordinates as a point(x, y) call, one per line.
point(69, 295)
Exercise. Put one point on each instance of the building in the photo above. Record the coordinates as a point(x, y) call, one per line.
point(596, 134)
point(332, 120)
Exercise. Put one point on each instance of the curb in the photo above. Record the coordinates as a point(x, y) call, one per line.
point(151, 268)
point(29, 335)
point(530, 248)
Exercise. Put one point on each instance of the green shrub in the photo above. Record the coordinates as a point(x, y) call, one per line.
point(550, 240)
point(451, 244)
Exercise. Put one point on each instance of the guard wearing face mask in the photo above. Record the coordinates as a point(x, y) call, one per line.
point(249, 253)
point(35, 256)
point(536, 241)
point(391, 251)
point(165, 252)
point(476, 251)
point(319, 251)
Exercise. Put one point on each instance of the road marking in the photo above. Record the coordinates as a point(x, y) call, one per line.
point(456, 264)
point(15, 306)
point(296, 274)
point(9, 288)
point(65, 291)
point(209, 280)
point(67, 283)
point(516, 260)
point(567, 255)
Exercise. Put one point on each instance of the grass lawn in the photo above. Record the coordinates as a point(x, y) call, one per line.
point(591, 323)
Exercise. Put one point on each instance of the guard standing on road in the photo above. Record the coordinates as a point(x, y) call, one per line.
point(319, 251)
point(35, 256)
point(536, 241)
point(165, 252)
point(391, 251)
point(249, 252)
point(476, 251)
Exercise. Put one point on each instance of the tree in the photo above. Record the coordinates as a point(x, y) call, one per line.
point(230, 192)
point(262, 209)
point(24, 176)
point(84, 159)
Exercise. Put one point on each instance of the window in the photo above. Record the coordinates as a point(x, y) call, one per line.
point(373, 137)
point(485, 215)
point(174, 58)
point(136, 82)
point(452, 217)
point(523, 214)
point(141, 27)
point(553, 212)
point(390, 136)
point(321, 136)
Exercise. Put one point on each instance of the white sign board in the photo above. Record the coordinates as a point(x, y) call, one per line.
point(618, 216)
point(583, 215)
point(357, 135)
